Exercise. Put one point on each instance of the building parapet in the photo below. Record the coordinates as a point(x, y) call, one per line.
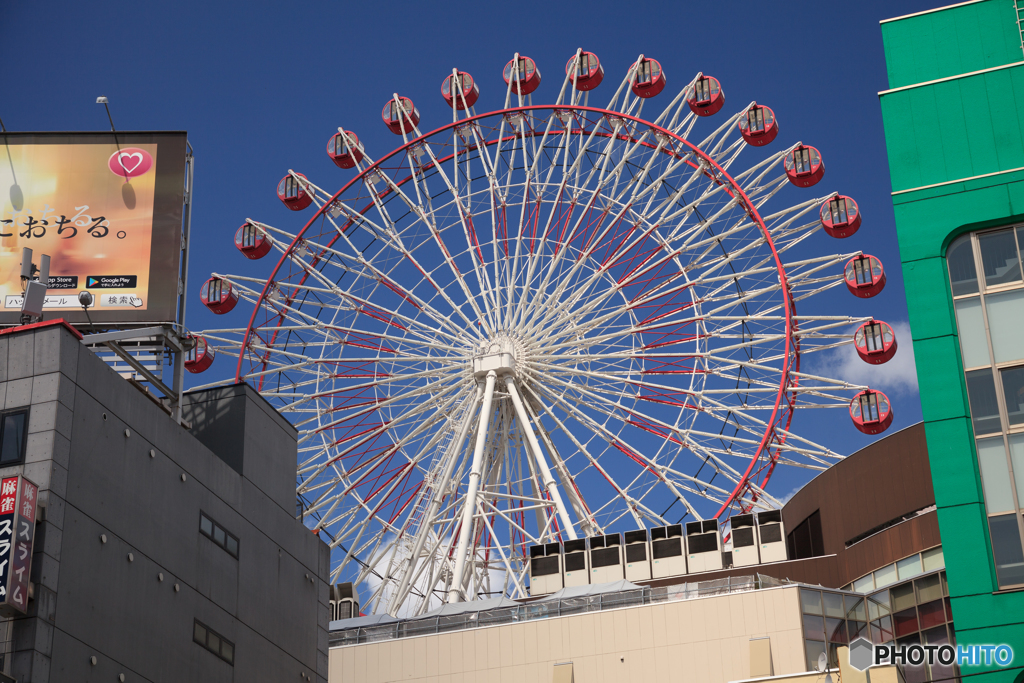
point(544, 609)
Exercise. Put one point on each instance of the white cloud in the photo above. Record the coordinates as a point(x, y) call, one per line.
point(785, 499)
point(897, 377)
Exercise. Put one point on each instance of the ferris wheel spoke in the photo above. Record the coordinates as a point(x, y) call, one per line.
point(383, 458)
point(436, 390)
point(364, 409)
point(398, 289)
point(360, 305)
point(640, 270)
point(661, 429)
point(615, 440)
point(556, 260)
point(398, 478)
point(592, 460)
point(344, 394)
point(411, 411)
point(425, 213)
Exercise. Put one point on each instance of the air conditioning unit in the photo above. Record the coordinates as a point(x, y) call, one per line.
point(638, 556)
point(703, 546)
point(344, 601)
point(576, 563)
point(744, 541)
point(668, 558)
point(606, 559)
point(771, 536)
point(545, 568)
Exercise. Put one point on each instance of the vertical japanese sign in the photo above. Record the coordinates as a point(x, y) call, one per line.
point(8, 504)
point(17, 535)
point(107, 210)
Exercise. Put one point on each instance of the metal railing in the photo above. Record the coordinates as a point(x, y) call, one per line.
point(407, 628)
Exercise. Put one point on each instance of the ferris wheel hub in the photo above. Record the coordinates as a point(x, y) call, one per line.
point(498, 355)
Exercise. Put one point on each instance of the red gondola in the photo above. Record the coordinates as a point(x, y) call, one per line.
point(528, 78)
point(454, 97)
point(345, 153)
point(871, 412)
point(840, 216)
point(293, 193)
point(864, 275)
point(200, 356)
point(587, 69)
point(252, 242)
point(804, 166)
point(707, 97)
point(759, 126)
point(649, 79)
point(218, 295)
point(393, 117)
point(875, 342)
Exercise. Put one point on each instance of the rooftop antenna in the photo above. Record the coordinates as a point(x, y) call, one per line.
point(35, 290)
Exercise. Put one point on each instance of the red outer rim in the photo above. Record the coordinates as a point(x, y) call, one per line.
point(792, 354)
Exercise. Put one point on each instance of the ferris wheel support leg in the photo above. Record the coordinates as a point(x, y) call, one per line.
point(469, 506)
point(545, 471)
point(427, 522)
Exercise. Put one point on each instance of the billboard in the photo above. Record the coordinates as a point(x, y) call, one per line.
point(107, 209)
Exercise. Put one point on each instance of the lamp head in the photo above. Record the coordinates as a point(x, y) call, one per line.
point(86, 299)
point(101, 100)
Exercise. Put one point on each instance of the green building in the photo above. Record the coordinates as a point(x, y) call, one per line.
point(954, 127)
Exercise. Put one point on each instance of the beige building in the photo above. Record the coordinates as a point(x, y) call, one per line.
point(866, 524)
point(703, 639)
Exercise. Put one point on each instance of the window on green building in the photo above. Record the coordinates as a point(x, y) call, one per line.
point(988, 290)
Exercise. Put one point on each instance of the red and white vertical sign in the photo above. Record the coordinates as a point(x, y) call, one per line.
point(17, 534)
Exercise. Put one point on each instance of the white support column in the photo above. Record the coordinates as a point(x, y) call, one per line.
point(469, 506)
point(545, 472)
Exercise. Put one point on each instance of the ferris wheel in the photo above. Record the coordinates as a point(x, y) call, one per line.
point(544, 322)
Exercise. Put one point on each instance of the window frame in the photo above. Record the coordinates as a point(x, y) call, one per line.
point(881, 619)
point(214, 526)
point(20, 460)
point(206, 642)
point(996, 368)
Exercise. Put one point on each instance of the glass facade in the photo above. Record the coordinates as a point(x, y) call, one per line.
point(912, 612)
point(928, 561)
point(988, 290)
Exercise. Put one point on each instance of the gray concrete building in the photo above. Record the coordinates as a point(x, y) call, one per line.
point(161, 553)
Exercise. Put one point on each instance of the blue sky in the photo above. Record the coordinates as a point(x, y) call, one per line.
point(261, 86)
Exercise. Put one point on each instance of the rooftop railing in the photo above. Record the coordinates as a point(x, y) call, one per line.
point(544, 609)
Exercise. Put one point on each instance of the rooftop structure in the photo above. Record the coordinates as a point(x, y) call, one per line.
point(161, 553)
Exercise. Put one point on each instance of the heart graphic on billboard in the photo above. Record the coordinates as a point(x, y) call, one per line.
point(130, 162)
point(125, 155)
